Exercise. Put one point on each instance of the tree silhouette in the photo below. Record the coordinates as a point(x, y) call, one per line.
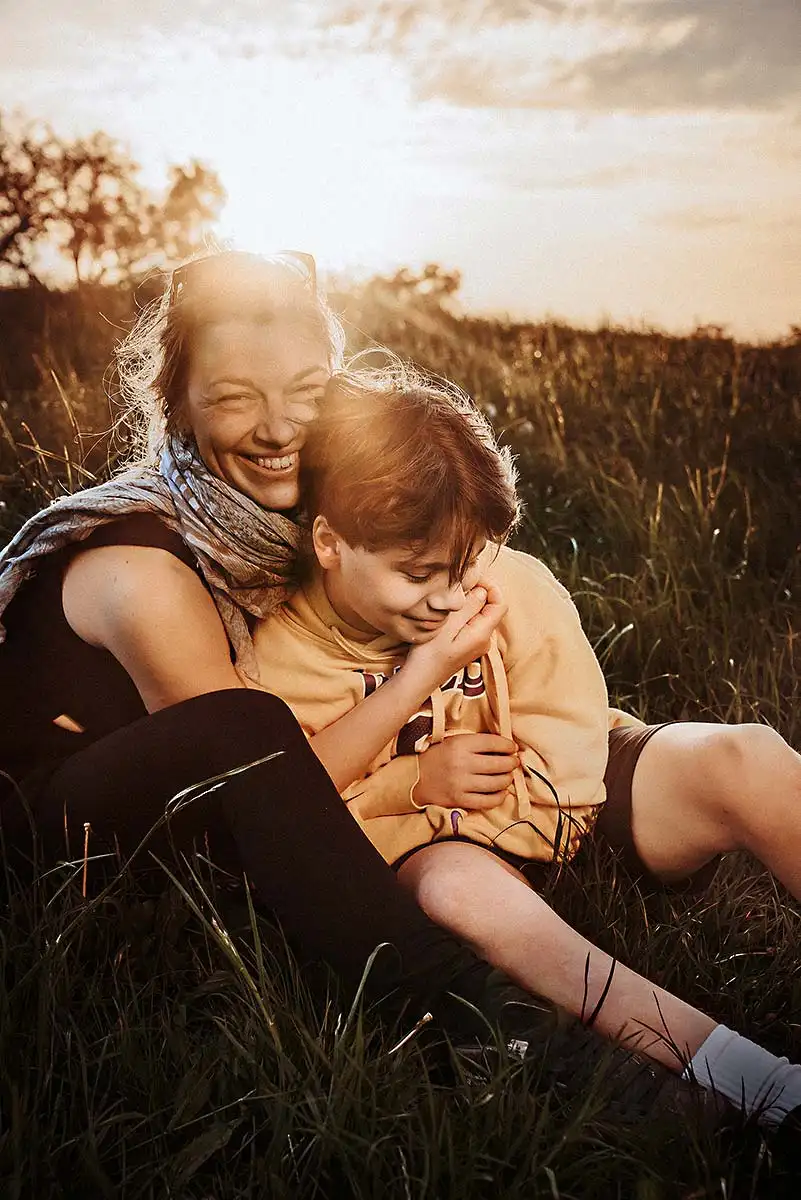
point(83, 201)
point(98, 204)
point(26, 184)
point(432, 287)
point(193, 203)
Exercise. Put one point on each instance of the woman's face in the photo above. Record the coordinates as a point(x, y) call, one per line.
point(253, 389)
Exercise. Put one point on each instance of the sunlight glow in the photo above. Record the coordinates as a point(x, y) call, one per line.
point(319, 165)
point(439, 137)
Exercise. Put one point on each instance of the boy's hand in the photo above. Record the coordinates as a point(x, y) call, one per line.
point(469, 770)
point(464, 636)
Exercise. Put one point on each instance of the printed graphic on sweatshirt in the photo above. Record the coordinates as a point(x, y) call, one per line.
point(411, 738)
point(372, 680)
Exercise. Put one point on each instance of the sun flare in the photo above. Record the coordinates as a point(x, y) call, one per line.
point(318, 165)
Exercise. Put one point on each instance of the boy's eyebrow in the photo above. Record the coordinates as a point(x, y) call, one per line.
point(422, 564)
point(405, 558)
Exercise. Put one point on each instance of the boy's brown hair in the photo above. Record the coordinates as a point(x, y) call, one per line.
point(398, 460)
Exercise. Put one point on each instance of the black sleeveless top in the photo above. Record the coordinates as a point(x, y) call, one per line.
point(47, 672)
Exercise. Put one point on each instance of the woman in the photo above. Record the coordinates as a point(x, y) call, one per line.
point(128, 610)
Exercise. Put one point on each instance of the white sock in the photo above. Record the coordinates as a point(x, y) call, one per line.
point(747, 1075)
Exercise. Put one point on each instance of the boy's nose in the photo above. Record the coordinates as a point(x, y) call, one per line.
point(450, 599)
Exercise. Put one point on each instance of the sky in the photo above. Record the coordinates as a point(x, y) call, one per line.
point(632, 161)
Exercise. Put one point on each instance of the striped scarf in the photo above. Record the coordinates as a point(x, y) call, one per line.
point(247, 554)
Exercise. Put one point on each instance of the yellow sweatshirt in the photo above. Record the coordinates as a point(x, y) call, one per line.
point(540, 685)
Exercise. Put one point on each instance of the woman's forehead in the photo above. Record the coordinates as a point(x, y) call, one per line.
point(285, 346)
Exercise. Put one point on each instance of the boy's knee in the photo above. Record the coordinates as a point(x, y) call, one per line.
point(442, 881)
point(737, 752)
point(740, 763)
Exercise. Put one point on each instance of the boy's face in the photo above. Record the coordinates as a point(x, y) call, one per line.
point(406, 593)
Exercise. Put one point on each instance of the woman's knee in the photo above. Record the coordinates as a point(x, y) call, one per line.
point(237, 720)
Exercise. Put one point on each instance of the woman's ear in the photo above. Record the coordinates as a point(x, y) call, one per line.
point(327, 544)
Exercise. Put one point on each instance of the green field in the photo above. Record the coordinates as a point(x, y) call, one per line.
point(145, 1053)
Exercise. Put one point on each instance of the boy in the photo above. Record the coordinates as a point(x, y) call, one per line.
point(431, 464)
point(411, 501)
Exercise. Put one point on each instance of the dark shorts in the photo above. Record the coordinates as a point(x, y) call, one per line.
point(613, 825)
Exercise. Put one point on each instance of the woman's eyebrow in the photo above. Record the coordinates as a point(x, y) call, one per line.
point(238, 380)
point(307, 372)
point(243, 381)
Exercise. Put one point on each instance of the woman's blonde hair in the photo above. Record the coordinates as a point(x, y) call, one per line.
point(152, 362)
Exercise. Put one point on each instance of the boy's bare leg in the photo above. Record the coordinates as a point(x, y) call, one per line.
point(491, 906)
point(700, 790)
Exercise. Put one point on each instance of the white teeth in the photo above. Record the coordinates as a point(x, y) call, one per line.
point(274, 464)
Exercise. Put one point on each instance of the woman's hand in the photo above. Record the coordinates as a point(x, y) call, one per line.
point(464, 637)
point(468, 770)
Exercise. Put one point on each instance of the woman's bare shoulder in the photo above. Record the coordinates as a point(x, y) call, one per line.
point(105, 584)
point(153, 613)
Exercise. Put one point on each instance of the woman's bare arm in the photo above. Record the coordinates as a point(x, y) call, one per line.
point(151, 611)
point(154, 615)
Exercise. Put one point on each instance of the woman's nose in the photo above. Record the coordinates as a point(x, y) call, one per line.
point(275, 426)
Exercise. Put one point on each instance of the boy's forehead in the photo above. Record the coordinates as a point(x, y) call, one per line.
point(434, 556)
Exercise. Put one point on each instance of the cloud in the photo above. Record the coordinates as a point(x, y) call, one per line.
point(580, 56)
point(395, 22)
point(648, 55)
point(743, 55)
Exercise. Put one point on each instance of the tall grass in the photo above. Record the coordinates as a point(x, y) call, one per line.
point(157, 1038)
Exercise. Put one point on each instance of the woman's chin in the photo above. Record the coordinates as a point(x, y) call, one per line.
point(274, 494)
point(277, 499)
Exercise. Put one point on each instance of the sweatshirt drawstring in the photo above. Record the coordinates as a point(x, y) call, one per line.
point(437, 716)
point(504, 716)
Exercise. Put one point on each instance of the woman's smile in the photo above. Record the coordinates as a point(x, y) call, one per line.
point(274, 464)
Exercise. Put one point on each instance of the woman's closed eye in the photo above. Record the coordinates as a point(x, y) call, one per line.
point(230, 401)
point(304, 405)
point(307, 395)
point(315, 390)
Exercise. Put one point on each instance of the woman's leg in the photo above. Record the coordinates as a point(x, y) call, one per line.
point(489, 904)
point(280, 821)
point(699, 790)
point(283, 822)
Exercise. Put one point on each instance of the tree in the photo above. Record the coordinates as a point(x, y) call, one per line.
point(83, 200)
point(99, 208)
point(432, 287)
point(27, 157)
point(193, 202)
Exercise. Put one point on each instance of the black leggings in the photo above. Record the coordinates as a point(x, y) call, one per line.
point(280, 821)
